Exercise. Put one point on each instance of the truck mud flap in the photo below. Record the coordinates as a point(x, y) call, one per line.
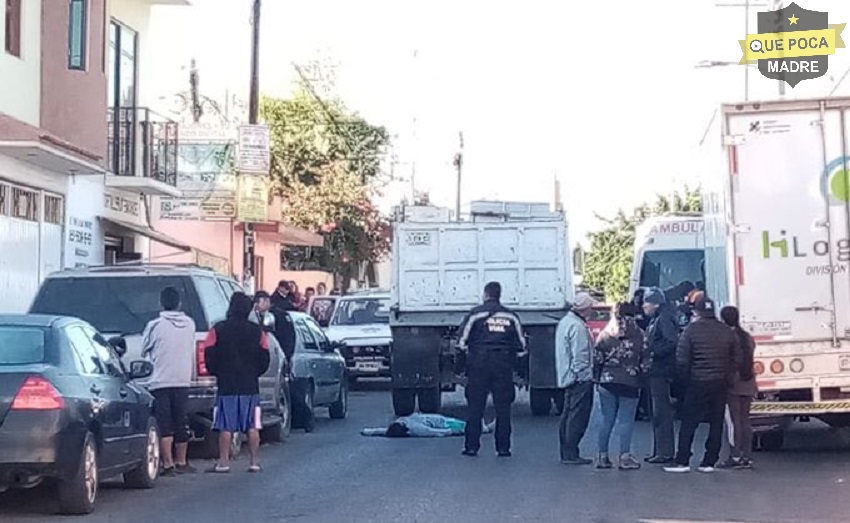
point(415, 360)
point(541, 359)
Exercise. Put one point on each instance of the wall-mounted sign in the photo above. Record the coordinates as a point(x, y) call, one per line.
point(195, 209)
point(252, 205)
point(254, 154)
point(121, 204)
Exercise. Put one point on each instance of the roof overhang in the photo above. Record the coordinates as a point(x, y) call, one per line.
point(147, 232)
point(142, 185)
point(287, 234)
point(49, 157)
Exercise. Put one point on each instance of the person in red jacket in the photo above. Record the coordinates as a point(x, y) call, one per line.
point(237, 354)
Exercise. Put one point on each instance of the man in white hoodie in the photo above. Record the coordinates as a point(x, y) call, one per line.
point(169, 342)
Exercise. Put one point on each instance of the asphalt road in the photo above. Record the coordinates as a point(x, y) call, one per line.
point(336, 475)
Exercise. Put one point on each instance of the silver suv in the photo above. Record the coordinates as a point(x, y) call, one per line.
point(119, 300)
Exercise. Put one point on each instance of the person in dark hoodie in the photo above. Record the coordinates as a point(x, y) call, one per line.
point(237, 354)
point(705, 361)
point(283, 298)
point(621, 361)
point(742, 389)
point(662, 335)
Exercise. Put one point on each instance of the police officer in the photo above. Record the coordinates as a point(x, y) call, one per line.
point(492, 340)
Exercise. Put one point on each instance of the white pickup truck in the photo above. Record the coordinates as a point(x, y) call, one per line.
point(439, 271)
point(777, 245)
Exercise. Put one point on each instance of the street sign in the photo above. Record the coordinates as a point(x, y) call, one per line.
point(254, 155)
point(252, 204)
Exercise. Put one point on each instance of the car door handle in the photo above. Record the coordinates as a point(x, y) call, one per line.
point(95, 389)
point(123, 393)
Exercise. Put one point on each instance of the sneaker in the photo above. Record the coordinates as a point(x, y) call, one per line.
point(603, 462)
point(706, 469)
point(628, 462)
point(744, 464)
point(677, 469)
point(730, 463)
point(167, 472)
point(185, 469)
point(660, 460)
point(504, 453)
point(577, 461)
point(470, 453)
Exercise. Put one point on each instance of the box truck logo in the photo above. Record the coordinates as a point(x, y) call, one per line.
point(835, 181)
point(792, 44)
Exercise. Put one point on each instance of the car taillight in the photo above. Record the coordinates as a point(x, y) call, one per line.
point(201, 358)
point(38, 394)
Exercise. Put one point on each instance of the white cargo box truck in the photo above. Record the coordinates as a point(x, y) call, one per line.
point(778, 247)
point(439, 272)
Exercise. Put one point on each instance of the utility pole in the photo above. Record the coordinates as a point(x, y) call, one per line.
point(459, 166)
point(253, 115)
point(746, 5)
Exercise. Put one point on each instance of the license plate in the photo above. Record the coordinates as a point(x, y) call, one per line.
point(844, 363)
point(368, 366)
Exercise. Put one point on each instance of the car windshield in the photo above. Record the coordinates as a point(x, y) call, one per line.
point(120, 305)
point(361, 311)
point(669, 268)
point(21, 345)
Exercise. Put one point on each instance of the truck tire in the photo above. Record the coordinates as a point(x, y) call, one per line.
point(541, 401)
point(430, 400)
point(836, 421)
point(404, 401)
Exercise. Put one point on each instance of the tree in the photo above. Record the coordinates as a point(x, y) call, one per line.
point(326, 164)
point(608, 265)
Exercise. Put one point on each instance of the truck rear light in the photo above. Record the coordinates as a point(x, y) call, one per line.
point(776, 366)
point(758, 368)
point(201, 358)
point(796, 365)
point(38, 394)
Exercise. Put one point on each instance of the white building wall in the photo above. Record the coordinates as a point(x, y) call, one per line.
point(21, 99)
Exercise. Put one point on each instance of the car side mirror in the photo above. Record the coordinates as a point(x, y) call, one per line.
point(140, 369)
point(334, 345)
point(119, 345)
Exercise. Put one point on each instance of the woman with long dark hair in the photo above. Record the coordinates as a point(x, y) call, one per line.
point(741, 392)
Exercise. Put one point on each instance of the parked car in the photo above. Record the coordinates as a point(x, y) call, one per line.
point(361, 322)
point(119, 300)
point(70, 412)
point(319, 377)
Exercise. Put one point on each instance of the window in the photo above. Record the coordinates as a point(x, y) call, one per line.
point(669, 268)
point(4, 199)
point(21, 345)
point(105, 354)
point(306, 338)
point(77, 34)
point(212, 299)
point(114, 305)
point(24, 204)
point(122, 66)
point(317, 332)
point(86, 352)
point(53, 209)
point(13, 27)
point(362, 311)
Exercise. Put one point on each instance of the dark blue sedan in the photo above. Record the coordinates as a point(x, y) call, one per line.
point(69, 410)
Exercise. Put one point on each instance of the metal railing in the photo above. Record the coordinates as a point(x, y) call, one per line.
point(143, 143)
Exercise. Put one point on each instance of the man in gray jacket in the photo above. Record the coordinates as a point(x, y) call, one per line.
point(169, 342)
point(574, 364)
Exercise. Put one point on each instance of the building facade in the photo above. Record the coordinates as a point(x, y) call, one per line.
point(81, 158)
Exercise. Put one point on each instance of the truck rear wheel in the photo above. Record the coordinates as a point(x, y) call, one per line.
point(404, 401)
point(430, 400)
point(541, 401)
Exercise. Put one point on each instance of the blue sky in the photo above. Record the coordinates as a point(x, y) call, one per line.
point(605, 97)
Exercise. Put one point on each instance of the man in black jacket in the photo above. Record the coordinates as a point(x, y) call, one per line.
point(492, 338)
point(705, 360)
point(237, 354)
point(662, 335)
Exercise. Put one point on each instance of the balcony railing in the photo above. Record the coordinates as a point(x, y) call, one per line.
point(142, 143)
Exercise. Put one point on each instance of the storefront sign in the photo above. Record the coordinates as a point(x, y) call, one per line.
point(120, 204)
point(196, 209)
point(254, 149)
point(84, 245)
point(253, 200)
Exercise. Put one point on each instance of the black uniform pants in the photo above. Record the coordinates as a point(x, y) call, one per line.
point(482, 382)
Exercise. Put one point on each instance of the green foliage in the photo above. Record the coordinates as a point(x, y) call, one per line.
point(326, 163)
point(608, 265)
